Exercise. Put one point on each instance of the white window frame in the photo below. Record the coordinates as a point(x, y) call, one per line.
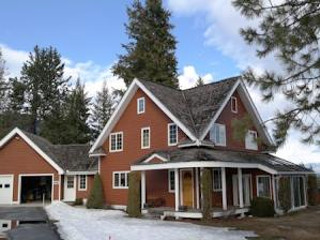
point(248, 145)
point(213, 185)
point(115, 134)
point(257, 185)
point(79, 183)
point(235, 101)
point(177, 134)
point(138, 105)
point(142, 142)
point(213, 135)
point(126, 179)
point(169, 181)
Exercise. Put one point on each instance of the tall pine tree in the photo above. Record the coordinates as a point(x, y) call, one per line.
point(46, 86)
point(102, 110)
point(3, 84)
point(151, 50)
point(78, 109)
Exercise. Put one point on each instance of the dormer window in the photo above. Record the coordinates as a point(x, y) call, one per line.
point(251, 140)
point(218, 134)
point(234, 105)
point(141, 105)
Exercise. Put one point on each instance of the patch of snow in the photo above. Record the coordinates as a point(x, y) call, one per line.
point(83, 224)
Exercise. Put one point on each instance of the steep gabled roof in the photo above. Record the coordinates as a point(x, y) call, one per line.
point(72, 157)
point(193, 110)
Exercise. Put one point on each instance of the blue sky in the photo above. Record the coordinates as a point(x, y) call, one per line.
point(94, 30)
point(89, 34)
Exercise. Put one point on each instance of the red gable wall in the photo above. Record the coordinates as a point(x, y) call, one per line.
point(130, 124)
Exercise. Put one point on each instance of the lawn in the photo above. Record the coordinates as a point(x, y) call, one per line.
point(302, 225)
point(82, 224)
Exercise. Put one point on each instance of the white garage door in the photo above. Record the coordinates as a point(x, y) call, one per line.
point(6, 189)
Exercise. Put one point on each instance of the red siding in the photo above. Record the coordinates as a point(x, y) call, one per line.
point(17, 157)
point(130, 124)
point(84, 194)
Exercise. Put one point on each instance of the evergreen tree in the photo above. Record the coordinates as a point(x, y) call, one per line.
point(46, 87)
point(102, 110)
point(290, 30)
point(3, 84)
point(77, 111)
point(199, 82)
point(151, 50)
point(16, 95)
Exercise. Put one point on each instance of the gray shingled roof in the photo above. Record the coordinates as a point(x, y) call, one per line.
point(73, 157)
point(194, 107)
point(204, 154)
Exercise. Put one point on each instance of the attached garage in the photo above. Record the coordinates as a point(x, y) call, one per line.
point(6, 189)
point(36, 188)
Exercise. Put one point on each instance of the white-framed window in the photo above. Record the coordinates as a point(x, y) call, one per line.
point(251, 140)
point(218, 134)
point(172, 134)
point(234, 105)
point(145, 137)
point(264, 186)
point(120, 180)
point(171, 180)
point(116, 142)
point(70, 181)
point(82, 183)
point(141, 105)
point(217, 180)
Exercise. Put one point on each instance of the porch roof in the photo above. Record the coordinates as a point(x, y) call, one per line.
point(202, 155)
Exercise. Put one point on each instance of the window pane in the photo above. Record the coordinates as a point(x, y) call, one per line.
point(70, 182)
point(145, 138)
point(82, 182)
point(173, 134)
point(217, 181)
point(113, 142)
point(122, 179)
point(264, 187)
point(116, 180)
point(171, 180)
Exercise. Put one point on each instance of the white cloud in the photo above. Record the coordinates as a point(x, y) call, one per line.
point(89, 72)
point(189, 77)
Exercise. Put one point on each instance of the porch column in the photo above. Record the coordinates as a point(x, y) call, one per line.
point(224, 188)
point(197, 188)
point(240, 190)
point(274, 197)
point(143, 189)
point(176, 188)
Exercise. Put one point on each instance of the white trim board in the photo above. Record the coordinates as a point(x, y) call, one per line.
point(135, 85)
point(17, 131)
point(155, 155)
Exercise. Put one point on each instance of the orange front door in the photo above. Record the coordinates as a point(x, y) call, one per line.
point(187, 188)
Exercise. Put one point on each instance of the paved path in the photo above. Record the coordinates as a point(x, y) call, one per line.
point(34, 224)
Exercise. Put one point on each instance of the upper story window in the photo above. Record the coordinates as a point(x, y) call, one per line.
point(217, 181)
point(218, 134)
point(145, 137)
point(172, 134)
point(116, 142)
point(251, 140)
point(141, 105)
point(82, 182)
point(234, 105)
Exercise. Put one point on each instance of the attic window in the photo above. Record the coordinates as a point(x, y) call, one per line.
point(141, 105)
point(251, 140)
point(234, 105)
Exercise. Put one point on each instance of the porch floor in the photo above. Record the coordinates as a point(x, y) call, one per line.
point(165, 212)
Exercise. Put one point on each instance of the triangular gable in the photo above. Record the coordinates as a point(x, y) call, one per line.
point(135, 85)
point(250, 107)
point(17, 131)
point(155, 158)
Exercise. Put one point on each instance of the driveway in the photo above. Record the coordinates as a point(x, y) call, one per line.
point(33, 223)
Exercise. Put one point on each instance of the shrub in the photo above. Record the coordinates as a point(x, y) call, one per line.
point(78, 202)
point(96, 197)
point(284, 194)
point(134, 201)
point(262, 207)
point(206, 185)
point(312, 190)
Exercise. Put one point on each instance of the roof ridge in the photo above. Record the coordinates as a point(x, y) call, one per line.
point(213, 83)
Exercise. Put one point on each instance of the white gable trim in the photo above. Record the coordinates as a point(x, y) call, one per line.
point(260, 125)
point(155, 155)
point(17, 131)
point(122, 106)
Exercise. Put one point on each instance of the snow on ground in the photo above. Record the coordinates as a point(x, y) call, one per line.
point(83, 224)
